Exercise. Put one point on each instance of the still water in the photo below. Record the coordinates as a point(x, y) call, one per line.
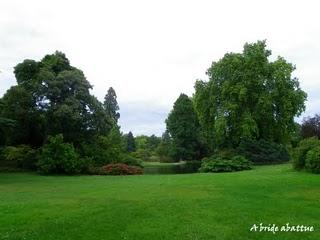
point(172, 169)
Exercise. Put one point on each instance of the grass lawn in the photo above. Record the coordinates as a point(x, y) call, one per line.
point(185, 206)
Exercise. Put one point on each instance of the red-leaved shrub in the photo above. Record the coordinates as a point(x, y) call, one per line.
point(121, 169)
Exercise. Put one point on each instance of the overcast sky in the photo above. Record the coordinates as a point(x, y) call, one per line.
point(151, 51)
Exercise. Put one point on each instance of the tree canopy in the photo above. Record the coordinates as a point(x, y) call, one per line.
point(52, 97)
point(248, 96)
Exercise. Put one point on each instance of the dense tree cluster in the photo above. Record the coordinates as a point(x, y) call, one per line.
point(52, 98)
point(247, 98)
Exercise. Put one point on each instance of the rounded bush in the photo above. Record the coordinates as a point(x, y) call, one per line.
point(313, 160)
point(59, 157)
point(219, 164)
point(132, 161)
point(299, 160)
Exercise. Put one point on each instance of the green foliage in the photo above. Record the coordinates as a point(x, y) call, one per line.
point(111, 105)
point(22, 156)
point(59, 157)
point(300, 155)
point(219, 164)
point(165, 149)
point(105, 149)
point(146, 147)
point(263, 152)
point(131, 145)
point(248, 96)
point(183, 126)
point(52, 97)
point(152, 143)
point(26, 124)
point(131, 161)
point(313, 160)
point(142, 154)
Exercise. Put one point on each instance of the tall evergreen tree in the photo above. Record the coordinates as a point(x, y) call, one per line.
point(111, 105)
point(131, 145)
point(183, 126)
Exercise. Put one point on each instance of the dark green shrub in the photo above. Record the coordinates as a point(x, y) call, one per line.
point(22, 156)
point(313, 160)
point(301, 151)
point(218, 164)
point(120, 169)
point(59, 157)
point(104, 149)
point(263, 152)
point(191, 166)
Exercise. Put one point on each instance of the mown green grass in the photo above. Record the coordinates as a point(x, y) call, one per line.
point(185, 206)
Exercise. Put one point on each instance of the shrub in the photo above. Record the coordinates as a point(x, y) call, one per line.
point(22, 156)
point(299, 160)
point(132, 161)
point(59, 157)
point(263, 152)
point(120, 169)
point(191, 166)
point(218, 164)
point(313, 160)
point(104, 149)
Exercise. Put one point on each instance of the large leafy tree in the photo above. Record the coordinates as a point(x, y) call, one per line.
point(111, 105)
point(249, 96)
point(183, 126)
point(53, 97)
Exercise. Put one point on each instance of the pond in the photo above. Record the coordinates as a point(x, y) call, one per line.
point(172, 168)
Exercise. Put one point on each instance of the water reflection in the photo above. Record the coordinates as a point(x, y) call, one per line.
point(188, 167)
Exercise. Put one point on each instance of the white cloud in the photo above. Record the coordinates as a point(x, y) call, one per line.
point(150, 51)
